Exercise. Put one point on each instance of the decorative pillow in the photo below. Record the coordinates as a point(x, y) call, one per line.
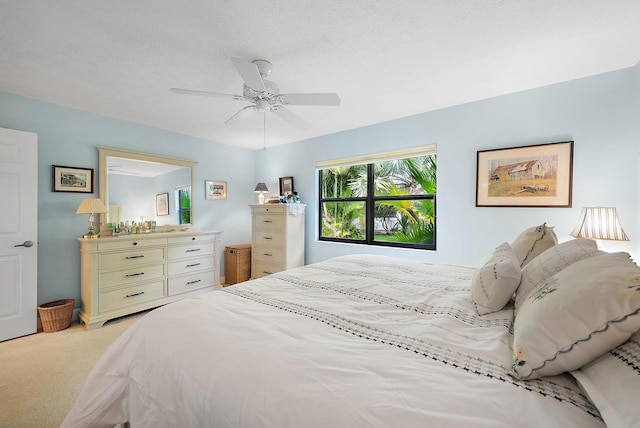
point(577, 315)
point(494, 283)
point(532, 242)
point(552, 261)
point(612, 382)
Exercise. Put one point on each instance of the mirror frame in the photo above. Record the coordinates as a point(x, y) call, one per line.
point(104, 152)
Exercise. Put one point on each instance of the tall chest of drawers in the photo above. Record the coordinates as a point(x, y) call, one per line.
point(277, 238)
point(131, 273)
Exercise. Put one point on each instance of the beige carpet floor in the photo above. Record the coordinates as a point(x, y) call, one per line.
point(41, 375)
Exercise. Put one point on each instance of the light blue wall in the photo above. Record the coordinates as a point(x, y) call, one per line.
point(599, 113)
point(69, 137)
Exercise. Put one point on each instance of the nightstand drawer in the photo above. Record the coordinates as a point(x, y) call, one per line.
point(130, 258)
point(131, 275)
point(190, 265)
point(123, 297)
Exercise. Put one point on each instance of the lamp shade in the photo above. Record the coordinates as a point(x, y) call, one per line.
point(91, 206)
point(261, 187)
point(599, 223)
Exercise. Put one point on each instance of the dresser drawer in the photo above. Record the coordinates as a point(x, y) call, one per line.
point(130, 258)
point(191, 239)
point(268, 254)
point(123, 297)
point(260, 269)
point(181, 284)
point(274, 209)
point(131, 275)
point(124, 243)
point(182, 251)
point(189, 265)
point(267, 238)
point(269, 222)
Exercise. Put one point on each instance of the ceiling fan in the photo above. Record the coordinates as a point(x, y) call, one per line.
point(264, 95)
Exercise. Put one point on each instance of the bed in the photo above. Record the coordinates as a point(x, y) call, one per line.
point(354, 341)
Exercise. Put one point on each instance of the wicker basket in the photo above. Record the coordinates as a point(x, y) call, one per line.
point(56, 315)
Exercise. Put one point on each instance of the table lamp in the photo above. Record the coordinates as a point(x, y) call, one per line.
point(261, 189)
point(91, 207)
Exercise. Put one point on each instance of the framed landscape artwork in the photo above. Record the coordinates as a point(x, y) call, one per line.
point(215, 189)
point(71, 179)
point(527, 176)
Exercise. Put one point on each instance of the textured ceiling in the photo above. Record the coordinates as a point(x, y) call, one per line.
point(385, 59)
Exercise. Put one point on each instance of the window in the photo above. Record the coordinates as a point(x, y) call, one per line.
point(388, 201)
point(184, 204)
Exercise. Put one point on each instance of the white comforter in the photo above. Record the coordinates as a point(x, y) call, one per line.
point(356, 341)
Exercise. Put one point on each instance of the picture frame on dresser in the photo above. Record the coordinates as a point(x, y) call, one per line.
point(286, 186)
point(72, 179)
point(526, 176)
point(162, 204)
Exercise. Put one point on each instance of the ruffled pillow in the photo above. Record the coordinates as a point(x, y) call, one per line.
point(577, 315)
point(552, 261)
point(494, 283)
point(533, 241)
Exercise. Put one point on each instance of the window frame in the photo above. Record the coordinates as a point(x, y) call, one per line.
point(370, 201)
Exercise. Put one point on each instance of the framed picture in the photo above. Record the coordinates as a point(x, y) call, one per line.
point(286, 186)
point(162, 204)
point(527, 176)
point(70, 179)
point(215, 189)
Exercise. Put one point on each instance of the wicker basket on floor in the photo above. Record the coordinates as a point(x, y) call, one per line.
point(56, 315)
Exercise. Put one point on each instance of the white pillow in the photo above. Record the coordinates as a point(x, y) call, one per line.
point(533, 241)
point(552, 261)
point(612, 382)
point(494, 283)
point(577, 315)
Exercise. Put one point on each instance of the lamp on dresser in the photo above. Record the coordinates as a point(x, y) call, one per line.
point(261, 189)
point(599, 223)
point(91, 206)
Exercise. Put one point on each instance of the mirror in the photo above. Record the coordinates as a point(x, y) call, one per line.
point(144, 187)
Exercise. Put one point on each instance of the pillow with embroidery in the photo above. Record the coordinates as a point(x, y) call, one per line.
point(612, 382)
point(533, 241)
point(576, 315)
point(494, 282)
point(552, 261)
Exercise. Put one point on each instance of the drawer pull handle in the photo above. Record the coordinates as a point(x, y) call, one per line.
point(267, 254)
point(194, 282)
point(268, 238)
point(267, 272)
point(193, 239)
point(193, 265)
point(135, 294)
point(267, 221)
point(135, 243)
point(134, 274)
point(194, 249)
point(133, 257)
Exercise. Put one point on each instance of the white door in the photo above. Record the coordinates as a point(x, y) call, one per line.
point(18, 233)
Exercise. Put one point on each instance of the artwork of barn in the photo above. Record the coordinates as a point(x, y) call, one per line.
point(519, 171)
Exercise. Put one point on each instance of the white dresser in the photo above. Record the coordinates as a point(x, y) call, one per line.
point(277, 238)
point(131, 273)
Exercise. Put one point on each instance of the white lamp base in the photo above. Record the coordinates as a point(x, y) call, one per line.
point(261, 198)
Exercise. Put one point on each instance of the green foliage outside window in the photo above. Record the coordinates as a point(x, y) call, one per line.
point(184, 208)
point(399, 194)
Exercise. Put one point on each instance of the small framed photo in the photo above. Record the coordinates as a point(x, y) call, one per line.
point(286, 186)
point(162, 204)
point(71, 179)
point(527, 176)
point(215, 189)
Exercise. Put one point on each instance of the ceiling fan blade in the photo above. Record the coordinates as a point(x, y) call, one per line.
point(206, 94)
point(241, 111)
point(311, 99)
point(250, 74)
point(289, 116)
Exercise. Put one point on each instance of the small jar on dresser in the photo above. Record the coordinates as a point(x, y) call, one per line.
point(131, 273)
point(277, 238)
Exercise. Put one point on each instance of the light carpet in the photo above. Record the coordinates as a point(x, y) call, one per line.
point(41, 374)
